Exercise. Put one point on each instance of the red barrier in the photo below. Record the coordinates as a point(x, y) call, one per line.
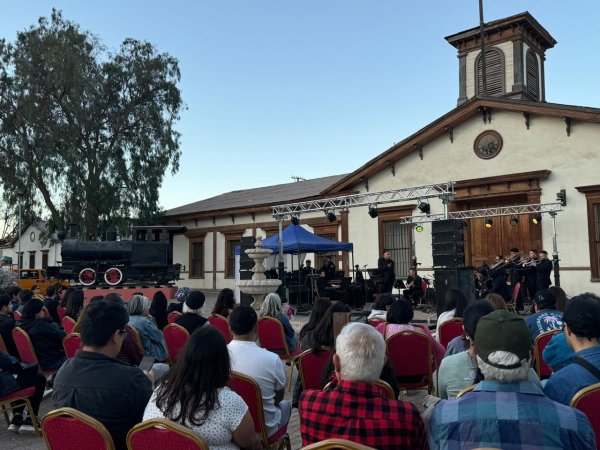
point(127, 291)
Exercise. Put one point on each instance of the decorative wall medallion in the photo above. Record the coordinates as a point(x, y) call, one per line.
point(32, 236)
point(488, 144)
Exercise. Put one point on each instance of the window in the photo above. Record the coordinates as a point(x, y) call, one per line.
point(397, 239)
point(196, 259)
point(230, 245)
point(494, 70)
point(531, 66)
point(44, 259)
point(32, 260)
point(592, 194)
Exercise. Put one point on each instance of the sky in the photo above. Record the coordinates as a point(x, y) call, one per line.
point(312, 88)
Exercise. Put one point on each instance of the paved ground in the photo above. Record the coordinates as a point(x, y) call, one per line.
point(10, 441)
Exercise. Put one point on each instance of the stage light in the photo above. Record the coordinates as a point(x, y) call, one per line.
point(373, 212)
point(489, 223)
point(514, 221)
point(562, 197)
point(295, 220)
point(424, 207)
point(537, 219)
point(331, 215)
point(419, 228)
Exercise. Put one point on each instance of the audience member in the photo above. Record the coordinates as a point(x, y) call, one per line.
point(158, 309)
point(225, 303)
point(96, 383)
point(195, 394)
point(505, 410)
point(582, 330)
point(455, 304)
point(381, 306)
point(271, 307)
point(46, 337)
point(316, 313)
point(496, 301)
point(355, 409)
point(463, 343)
point(13, 292)
point(37, 292)
point(192, 318)
point(546, 316)
point(24, 297)
point(7, 323)
point(180, 297)
point(153, 340)
point(75, 305)
point(560, 296)
point(65, 298)
point(259, 364)
point(51, 303)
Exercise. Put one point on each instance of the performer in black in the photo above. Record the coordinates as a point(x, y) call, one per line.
point(359, 278)
point(307, 269)
point(516, 275)
point(529, 267)
point(483, 282)
point(387, 274)
point(543, 269)
point(414, 284)
point(322, 284)
point(329, 268)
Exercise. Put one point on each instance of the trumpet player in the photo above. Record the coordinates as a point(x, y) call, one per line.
point(529, 265)
point(542, 273)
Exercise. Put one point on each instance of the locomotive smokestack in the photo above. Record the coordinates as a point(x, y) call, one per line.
point(111, 235)
point(73, 230)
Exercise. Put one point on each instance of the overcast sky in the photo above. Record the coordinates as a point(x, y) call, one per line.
point(311, 88)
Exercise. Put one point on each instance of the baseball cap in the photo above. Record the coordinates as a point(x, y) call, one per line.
point(502, 331)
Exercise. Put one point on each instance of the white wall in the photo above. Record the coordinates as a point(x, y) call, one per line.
point(28, 245)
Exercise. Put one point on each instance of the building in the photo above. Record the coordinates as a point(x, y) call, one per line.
point(38, 249)
point(507, 146)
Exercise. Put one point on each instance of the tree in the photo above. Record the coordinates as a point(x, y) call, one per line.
point(87, 134)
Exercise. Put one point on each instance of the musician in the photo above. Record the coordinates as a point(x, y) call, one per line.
point(387, 274)
point(329, 268)
point(543, 269)
point(515, 272)
point(359, 278)
point(529, 266)
point(499, 284)
point(322, 283)
point(307, 269)
point(483, 283)
point(414, 284)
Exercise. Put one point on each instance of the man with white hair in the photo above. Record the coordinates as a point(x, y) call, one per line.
point(506, 410)
point(355, 408)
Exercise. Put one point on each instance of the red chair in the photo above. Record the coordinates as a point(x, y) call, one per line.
point(175, 336)
point(450, 329)
point(385, 388)
point(411, 356)
point(337, 444)
point(72, 343)
point(61, 312)
point(26, 350)
point(68, 429)
point(159, 434)
point(512, 305)
point(311, 366)
point(588, 401)
point(172, 316)
point(375, 322)
point(18, 399)
point(17, 315)
point(221, 324)
point(249, 390)
point(272, 337)
point(68, 324)
point(542, 369)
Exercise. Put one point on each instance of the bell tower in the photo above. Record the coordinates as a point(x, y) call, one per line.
point(515, 51)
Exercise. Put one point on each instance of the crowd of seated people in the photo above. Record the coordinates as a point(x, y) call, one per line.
point(494, 354)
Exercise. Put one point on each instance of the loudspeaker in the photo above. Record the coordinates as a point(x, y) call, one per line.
point(447, 240)
point(439, 226)
point(462, 279)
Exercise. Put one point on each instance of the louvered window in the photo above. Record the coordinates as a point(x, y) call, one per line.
point(494, 70)
point(532, 74)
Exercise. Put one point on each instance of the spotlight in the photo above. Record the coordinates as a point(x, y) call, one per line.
point(489, 223)
point(419, 228)
point(514, 221)
point(295, 220)
point(424, 207)
point(331, 215)
point(537, 219)
point(373, 212)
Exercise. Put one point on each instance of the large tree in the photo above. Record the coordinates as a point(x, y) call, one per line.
point(85, 133)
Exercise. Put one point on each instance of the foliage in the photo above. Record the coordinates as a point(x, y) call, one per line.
point(7, 278)
point(87, 135)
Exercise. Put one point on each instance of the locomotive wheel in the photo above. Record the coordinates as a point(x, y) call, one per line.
point(113, 276)
point(87, 276)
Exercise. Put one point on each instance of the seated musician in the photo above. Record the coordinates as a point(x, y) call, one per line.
point(413, 283)
point(322, 284)
point(483, 283)
point(329, 267)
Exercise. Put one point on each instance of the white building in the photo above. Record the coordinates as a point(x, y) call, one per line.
point(38, 249)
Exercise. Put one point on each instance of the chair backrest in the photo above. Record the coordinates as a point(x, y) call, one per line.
point(311, 366)
point(450, 329)
point(67, 428)
point(336, 444)
point(3, 346)
point(17, 315)
point(172, 316)
point(588, 401)
point(375, 322)
point(72, 343)
point(410, 354)
point(136, 334)
point(515, 292)
point(222, 324)
point(542, 369)
point(61, 311)
point(272, 337)
point(68, 324)
point(24, 346)
point(159, 434)
point(385, 387)
point(175, 336)
point(250, 392)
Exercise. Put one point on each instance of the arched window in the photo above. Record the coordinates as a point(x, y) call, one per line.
point(494, 70)
point(533, 81)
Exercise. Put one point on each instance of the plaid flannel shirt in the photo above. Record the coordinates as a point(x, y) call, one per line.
point(360, 413)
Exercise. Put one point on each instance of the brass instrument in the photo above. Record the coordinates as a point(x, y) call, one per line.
point(509, 259)
point(527, 261)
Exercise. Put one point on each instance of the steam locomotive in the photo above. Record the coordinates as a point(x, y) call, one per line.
point(148, 258)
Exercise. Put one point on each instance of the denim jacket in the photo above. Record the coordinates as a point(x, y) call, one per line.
point(153, 340)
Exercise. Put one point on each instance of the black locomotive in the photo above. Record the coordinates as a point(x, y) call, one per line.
point(147, 259)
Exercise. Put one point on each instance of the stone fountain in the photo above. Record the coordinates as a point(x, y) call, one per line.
point(259, 285)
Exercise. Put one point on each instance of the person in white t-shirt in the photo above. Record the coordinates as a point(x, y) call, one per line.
point(259, 364)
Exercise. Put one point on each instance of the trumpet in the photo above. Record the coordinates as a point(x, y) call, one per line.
point(509, 259)
point(527, 261)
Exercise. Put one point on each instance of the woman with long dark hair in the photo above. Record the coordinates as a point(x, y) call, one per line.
point(317, 312)
point(195, 394)
point(158, 309)
point(455, 304)
point(74, 305)
point(225, 303)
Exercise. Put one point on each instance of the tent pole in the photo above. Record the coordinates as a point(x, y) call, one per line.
point(353, 271)
point(281, 268)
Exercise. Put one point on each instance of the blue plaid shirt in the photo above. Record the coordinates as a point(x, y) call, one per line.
point(510, 416)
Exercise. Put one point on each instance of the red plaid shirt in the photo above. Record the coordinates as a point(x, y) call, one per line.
point(360, 413)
